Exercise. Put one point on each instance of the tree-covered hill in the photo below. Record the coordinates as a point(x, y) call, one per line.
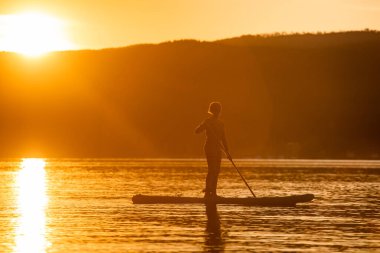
point(301, 95)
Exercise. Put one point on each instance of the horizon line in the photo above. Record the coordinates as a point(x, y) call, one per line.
point(258, 35)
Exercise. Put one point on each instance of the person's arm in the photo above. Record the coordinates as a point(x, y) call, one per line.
point(200, 128)
point(224, 141)
point(225, 144)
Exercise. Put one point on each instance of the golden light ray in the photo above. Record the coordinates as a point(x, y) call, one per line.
point(30, 236)
point(32, 34)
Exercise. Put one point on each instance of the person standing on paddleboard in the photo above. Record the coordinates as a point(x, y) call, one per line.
point(215, 142)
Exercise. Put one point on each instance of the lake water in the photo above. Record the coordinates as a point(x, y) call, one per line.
point(84, 205)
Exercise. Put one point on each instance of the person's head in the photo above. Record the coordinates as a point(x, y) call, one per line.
point(215, 108)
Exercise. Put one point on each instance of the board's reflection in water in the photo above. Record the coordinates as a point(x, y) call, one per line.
point(214, 237)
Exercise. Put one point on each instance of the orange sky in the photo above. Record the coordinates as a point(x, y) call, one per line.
point(114, 23)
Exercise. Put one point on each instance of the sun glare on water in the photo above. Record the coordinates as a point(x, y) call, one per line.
point(30, 185)
point(32, 34)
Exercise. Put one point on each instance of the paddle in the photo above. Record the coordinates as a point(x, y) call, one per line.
point(241, 175)
point(228, 155)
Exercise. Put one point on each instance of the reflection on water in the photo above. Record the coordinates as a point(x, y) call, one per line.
point(32, 199)
point(214, 239)
point(84, 205)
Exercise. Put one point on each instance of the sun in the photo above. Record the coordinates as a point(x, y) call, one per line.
point(32, 34)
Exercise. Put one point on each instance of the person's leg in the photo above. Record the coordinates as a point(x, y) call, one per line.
point(213, 162)
point(215, 174)
point(209, 174)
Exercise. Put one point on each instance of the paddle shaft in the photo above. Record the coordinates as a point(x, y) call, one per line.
point(230, 158)
point(241, 175)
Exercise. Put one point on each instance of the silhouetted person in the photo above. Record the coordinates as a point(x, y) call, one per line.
point(215, 141)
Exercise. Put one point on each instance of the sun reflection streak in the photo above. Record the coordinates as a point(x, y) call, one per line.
point(31, 203)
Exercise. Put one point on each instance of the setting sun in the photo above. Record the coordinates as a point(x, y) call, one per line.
point(32, 34)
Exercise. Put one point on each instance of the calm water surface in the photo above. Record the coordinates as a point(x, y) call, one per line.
point(85, 205)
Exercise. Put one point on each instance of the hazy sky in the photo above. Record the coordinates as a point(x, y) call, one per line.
point(113, 23)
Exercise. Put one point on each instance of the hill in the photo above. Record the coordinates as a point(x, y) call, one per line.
point(301, 95)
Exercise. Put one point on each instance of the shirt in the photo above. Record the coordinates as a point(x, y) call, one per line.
point(215, 135)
